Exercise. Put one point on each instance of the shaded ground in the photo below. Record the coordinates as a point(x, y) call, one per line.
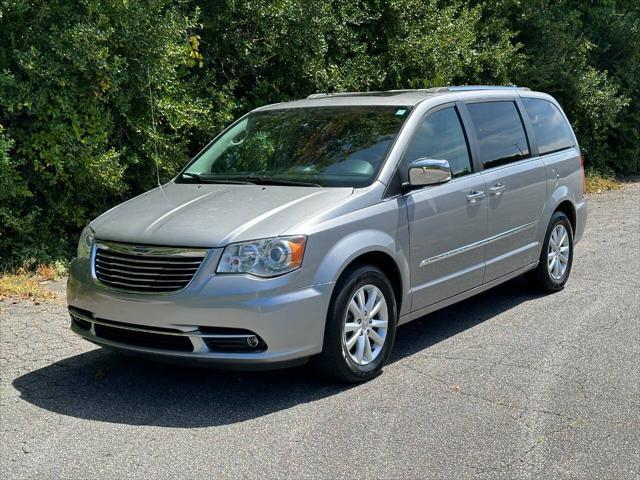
point(504, 385)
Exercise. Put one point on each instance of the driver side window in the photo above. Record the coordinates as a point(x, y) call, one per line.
point(440, 136)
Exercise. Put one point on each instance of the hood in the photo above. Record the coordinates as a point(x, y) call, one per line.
point(213, 215)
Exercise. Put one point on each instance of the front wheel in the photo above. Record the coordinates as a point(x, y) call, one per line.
point(557, 255)
point(361, 326)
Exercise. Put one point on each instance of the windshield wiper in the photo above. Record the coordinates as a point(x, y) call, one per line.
point(266, 180)
point(247, 180)
point(207, 179)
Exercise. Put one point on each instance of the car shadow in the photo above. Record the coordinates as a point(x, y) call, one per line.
point(109, 387)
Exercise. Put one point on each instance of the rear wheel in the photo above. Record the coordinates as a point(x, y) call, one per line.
point(556, 257)
point(360, 328)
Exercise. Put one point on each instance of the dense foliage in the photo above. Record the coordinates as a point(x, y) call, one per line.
point(94, 93)
point(587, 55)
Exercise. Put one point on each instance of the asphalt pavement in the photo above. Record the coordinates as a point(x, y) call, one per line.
point(509, 384)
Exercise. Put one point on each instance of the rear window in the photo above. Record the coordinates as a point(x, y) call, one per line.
point(549, 125)
point(500, 132)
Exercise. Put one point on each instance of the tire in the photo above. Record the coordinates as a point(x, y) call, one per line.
point(338, 360)
point(549, 276)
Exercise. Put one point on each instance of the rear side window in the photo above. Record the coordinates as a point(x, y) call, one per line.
point(440, 137)
point(500, 132)
point(549, 125)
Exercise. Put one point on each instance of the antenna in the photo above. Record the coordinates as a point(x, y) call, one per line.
point(155, 133)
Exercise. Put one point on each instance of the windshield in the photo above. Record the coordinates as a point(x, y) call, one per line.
point(324, 146)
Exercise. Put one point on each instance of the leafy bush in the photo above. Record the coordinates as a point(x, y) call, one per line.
point(95, 94)
point(76, 85)
point(586, 55)
point(262, 51)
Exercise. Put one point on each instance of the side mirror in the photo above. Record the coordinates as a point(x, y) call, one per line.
point(427, 171)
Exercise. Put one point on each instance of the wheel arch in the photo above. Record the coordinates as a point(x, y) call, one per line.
point(561, 199)
point(569, 210)
point(372, 246)
point(387, 264)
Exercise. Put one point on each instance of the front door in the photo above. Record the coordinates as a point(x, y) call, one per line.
point(448, 222)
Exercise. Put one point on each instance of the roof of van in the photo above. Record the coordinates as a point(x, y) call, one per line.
point(388, 97)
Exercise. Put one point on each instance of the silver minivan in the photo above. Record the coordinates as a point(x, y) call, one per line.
point(312, 229)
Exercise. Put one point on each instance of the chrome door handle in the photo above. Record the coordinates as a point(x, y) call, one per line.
point(474, 196)
point(497, 189)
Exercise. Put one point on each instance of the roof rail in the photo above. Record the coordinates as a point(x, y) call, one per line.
point(364, 94)
point(335, 94)
point(465, 88)
point(462, 88)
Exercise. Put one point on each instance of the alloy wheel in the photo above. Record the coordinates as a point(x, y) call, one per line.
point(365, 325)
point(558, 252)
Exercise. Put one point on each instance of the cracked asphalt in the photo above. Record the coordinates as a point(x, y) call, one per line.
point(508, 384)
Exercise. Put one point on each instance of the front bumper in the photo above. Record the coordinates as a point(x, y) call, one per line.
point(287, 318)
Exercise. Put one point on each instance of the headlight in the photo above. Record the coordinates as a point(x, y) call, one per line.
point(86, 242)
point(268, 257)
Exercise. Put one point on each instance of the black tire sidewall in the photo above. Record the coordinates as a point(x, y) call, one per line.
point(343, 366)
point(549, 282)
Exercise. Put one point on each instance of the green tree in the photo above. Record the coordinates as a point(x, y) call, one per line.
point(561, 42)
point(95, 94)
point(613, 29)
point(263, 51)
point(76, 84)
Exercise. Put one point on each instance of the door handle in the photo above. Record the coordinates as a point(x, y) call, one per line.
point(474, 195)
point(497, 189)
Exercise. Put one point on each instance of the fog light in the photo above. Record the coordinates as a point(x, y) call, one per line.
point(252, 341)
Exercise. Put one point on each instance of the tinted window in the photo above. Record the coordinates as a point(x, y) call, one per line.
point(326, 146)
point(440, 136)
point(549, 125)
point(500, 133)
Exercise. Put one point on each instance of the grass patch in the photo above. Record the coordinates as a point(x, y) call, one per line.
point(52, 271)
point(601, 182)
point(30, 284)
point(25, 287)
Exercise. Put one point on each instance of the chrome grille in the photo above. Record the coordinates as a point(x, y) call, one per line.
point(145, 269)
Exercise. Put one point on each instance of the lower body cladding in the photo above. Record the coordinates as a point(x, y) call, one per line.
point(272, 324)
